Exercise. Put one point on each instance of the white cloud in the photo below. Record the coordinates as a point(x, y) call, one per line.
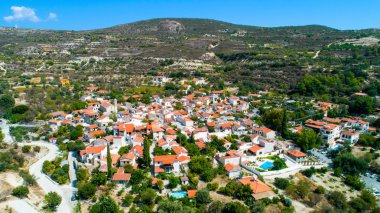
point(52, 17)
point(22, 14)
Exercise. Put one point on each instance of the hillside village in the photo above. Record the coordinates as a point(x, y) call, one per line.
point(173, 131)
point(171, 116)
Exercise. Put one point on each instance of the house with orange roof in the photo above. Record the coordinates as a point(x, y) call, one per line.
point(265, 132)
point(107, 107)
point(167, 164)
point(94, 134)
point(128, 158)
point(297, 155)
point(185, 121)
point(332, 120)
point(330, 132)
point(259, 189)
point(264, 147)
point(350, 136)
point(228, 159)
point(120, 177)
point(179, 150)
point(233, 171)
point(356, 124)
point(114, 159)
point(93, 154)
point(157, 132)
point(54, 124)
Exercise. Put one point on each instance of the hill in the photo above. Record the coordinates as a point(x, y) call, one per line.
point(267, 56)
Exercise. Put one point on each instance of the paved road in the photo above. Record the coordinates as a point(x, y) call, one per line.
point(46, 183)
point(316, 54)
point(5, 128)
point(22, 206)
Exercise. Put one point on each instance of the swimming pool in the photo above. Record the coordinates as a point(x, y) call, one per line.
point(266, 165)
point(178, 194)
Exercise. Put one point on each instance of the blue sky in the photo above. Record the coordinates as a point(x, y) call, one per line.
point(94, 14)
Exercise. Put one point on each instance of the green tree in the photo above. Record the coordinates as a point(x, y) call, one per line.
point(168, 206)
point(86, 190)
point(82, 174)
point(308, 139)
point(243, 192)
point(52, 200)
point(6, 102)
point(191, 138)
point(274, 119)
point(146, 153)
point(203, 196)
point(123, 150)
point(235, 207)
point(148, 196)
point(127, 200)
point(173, 182)
point(216, 207)
point(337, 199)
point(281, 183)
point(77, 132)
point(99, 179)
point(361, 105)
point(146, 99)
point(105, 204)
point(137, 177)
point(350, 164)
point(109, 163)
point(160, 184)
point(75, 146)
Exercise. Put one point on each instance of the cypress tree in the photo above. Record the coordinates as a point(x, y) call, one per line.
point(109, 162)
point(146, 154)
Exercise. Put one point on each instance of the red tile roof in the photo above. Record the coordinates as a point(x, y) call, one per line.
point(191, 193)
point(255, 148)
point(165, 159)
point(256, 185)
point(296, 153)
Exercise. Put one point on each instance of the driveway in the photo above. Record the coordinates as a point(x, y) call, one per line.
point(321, 157)
point(371, 182)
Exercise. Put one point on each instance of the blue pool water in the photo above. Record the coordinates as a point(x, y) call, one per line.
point(266, 165)
point(178, 194)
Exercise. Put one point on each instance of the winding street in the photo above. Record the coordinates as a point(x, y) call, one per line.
point(46, 183)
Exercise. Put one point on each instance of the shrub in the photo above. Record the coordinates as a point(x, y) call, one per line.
point(28, 178)
point(26, 149)
point(36, 149)
point(20, 191)
point(212, 186)
point(320, 190)
point(281, 183)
